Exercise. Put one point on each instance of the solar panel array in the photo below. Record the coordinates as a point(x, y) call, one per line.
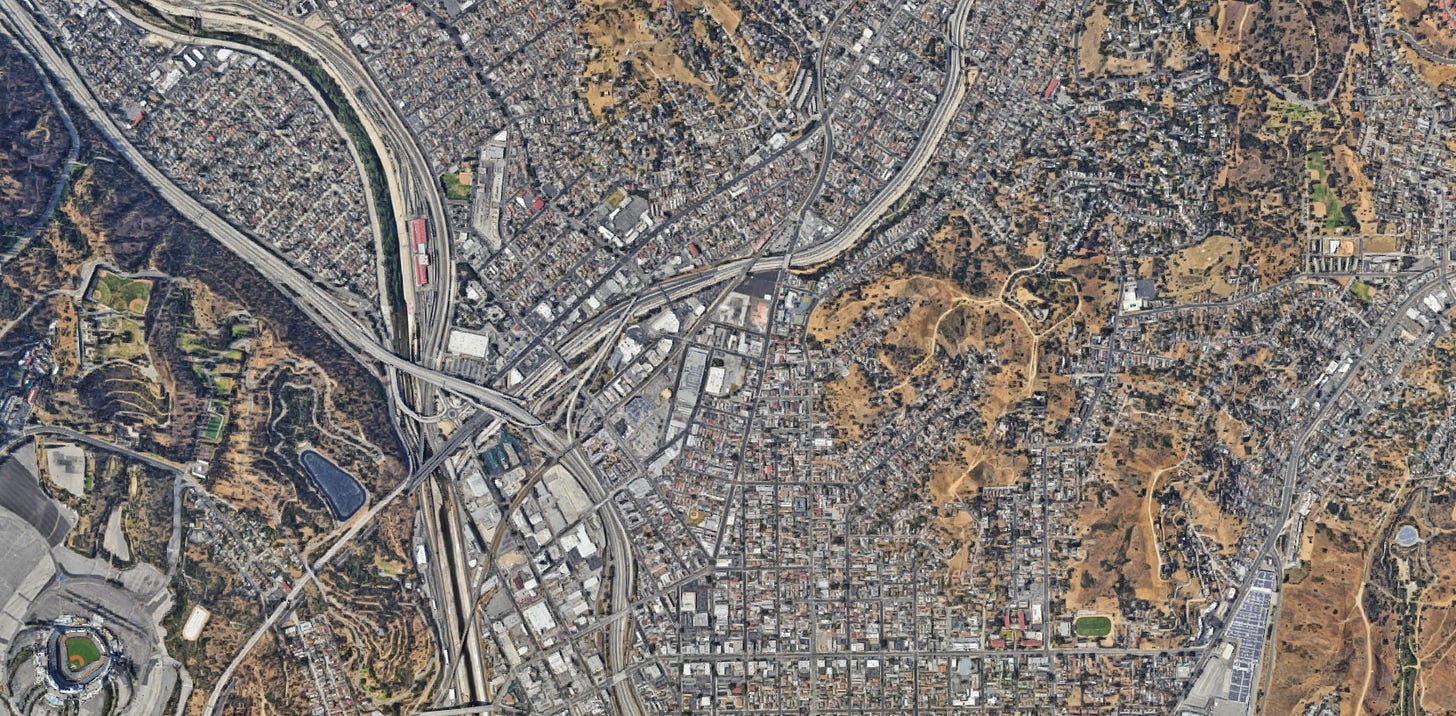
point(1264, 580)
point(1249, 626)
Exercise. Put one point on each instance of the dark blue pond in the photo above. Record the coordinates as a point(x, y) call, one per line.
point(343, 493)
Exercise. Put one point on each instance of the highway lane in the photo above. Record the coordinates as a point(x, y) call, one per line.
point(308, 296)
point(323, 309)
point(1290, 472)
point(678, 287)
point(472, 709)
point(410, 181)
point(624, 693)
point(925, 147)
point(666, 224)
point(571, 457)
point(459, 439)
point(494, 547)
point(450, 578)
point(588, 334)
point(583, 337)
point(618, 558)
point(414, 192)
point(481, 422)
point(414, 187)
point(505, 407)
point(170, 34)
point(624, 569)
point(446, 572)
point(418, 184)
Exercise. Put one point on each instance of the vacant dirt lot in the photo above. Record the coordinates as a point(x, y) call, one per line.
point(1201, 270)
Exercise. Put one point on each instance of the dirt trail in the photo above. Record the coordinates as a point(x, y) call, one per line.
point(1314, 38)
point(1155, 555)
point(1381, 527)
point(933, 338)
point(1369, 651)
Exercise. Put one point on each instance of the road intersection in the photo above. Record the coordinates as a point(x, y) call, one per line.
point(438, 414)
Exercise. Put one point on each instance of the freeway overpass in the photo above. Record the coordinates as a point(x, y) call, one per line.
point(924, 150)
point(472, 709)
point(678, 287)
point(413, 185)
point(313, 299)
point(414, 188)
point(477, 424)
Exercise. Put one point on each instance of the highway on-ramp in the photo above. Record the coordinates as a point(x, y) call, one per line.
point(413, 190)
point(925, 148)
point(413, 185)
point(313, 299)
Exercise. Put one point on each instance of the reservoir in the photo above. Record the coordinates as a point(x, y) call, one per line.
point(1406, 536)
point(343, 493)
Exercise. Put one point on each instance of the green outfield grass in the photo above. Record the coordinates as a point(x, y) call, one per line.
point(81, 652)
point(120, 293)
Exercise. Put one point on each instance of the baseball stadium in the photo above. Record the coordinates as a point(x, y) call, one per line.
point(77, 656)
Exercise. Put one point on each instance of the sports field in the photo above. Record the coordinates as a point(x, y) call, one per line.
point(81, 652)
point(213, 430)
point(1093, 626)
point(120, 293)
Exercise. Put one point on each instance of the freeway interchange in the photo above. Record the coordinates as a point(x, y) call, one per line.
point(414, 192)
point(312, 298)
point(445, 420)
